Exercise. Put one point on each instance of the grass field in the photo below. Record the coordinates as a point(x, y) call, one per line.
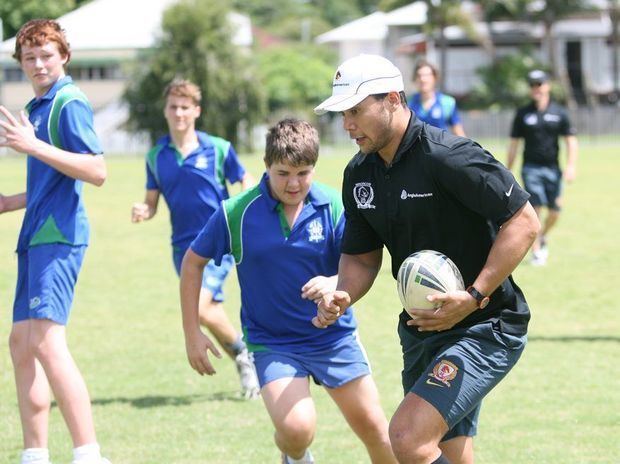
point(561, 404)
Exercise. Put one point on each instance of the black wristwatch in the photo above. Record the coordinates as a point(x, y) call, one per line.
point(481, 299)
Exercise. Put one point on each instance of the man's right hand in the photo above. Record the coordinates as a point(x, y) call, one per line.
point(330, 308)
point(139, 212)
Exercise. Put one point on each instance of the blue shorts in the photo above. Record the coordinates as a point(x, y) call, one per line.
point(544, 184)
point(213, 276)
point(333, 367)
point(46, 277)
point(455, 369)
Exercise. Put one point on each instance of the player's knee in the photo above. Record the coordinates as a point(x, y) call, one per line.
point(211, 312)
point(297, 435)
point(371, 427)
point(408, 446)
point(18, 346)
point(45, 346)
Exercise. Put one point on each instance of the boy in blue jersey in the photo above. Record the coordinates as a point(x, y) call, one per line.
point(190, 168)
point(429, 105)
point(284, 235)
point(63, 152)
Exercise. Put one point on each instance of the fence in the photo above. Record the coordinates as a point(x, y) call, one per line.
point(600, 123)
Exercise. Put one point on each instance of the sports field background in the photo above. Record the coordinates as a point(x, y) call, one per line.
point(561, 404)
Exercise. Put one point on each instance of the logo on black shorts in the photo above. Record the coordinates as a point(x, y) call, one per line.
point(444, 371)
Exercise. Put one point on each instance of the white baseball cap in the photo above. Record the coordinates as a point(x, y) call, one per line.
point(359, 77)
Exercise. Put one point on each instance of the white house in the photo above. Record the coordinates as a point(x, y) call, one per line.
point(582, 47)
point(105, 36)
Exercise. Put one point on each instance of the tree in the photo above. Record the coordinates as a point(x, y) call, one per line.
point(296, 78)
point(269, 13)
point(15, 13)
point(196, 43)
point(502, 83)
point(549, 12)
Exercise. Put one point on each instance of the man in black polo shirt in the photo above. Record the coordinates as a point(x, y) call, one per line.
point(540, 123)
point(413, 187)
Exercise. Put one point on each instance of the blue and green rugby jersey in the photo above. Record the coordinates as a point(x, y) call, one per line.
point(54, 208)
point(194, 186)
point(274, 262)
point(443, 113)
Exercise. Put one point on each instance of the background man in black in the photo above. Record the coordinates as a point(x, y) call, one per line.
point(424, 188)
point(540, 123)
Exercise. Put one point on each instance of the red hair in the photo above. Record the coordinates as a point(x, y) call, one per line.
point(38, 32)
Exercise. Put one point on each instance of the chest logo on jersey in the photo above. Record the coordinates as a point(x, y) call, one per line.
point(404, 195)
point(436, 113)
point(201, 162)
point(551, 117)
point(315, 231)
point(36, 123)
point(531, 119)
point(363, 195)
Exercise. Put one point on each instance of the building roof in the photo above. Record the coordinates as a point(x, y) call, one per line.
point(124, 24)
point(413, 14)
point(371, 27)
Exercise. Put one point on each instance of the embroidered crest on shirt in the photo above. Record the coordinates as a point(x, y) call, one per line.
point(444, 371)
point(315, 231)
point(436, 113)
point(530, 119)
point(36, 123)
point(363, 195)
point(201, 162)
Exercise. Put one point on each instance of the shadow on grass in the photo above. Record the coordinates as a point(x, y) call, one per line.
point(573, 338)
point(143, 402)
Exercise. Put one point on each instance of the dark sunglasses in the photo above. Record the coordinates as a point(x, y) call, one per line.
point(535, 84)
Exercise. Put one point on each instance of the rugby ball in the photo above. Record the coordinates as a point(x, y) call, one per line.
point(425, 273)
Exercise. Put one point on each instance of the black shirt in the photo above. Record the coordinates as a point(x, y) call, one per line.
point(541, 130)
point(443, 193)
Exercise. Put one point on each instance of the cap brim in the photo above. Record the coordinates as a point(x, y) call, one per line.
point(339, 103)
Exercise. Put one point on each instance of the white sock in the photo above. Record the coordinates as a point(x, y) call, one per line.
point(87, 454)
point(306, 459)
point(35, 456)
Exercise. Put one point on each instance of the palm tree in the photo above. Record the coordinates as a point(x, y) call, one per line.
point(441, 14)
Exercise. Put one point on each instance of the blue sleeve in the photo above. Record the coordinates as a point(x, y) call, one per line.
point(412, 103)
point(213, 241)
point(76, 129)
point(455, 117)
point(151, 181)
point(339, 232)
point(233, 169)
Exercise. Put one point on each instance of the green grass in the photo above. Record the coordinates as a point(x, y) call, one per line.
point(561, 404)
